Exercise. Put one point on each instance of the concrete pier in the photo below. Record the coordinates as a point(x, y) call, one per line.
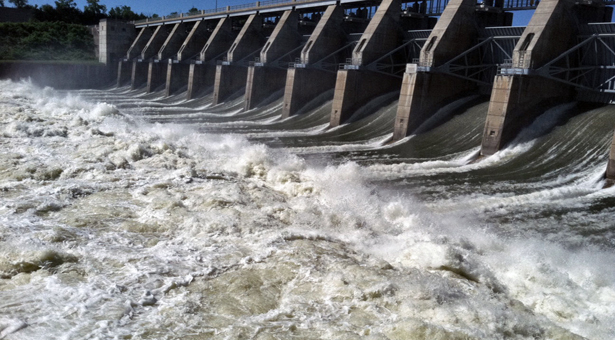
point(123, 73)
point(262, 79)
point(157, 71)
point(202, 73)
point(355, 86)
point(125, 67)
point(306, 82)
point(423, 93)
point(519, 95)
point(178, 68)
point(610, 169)
point(139, 74)
point(141, 67)
point(231, 78)
point(156, 75)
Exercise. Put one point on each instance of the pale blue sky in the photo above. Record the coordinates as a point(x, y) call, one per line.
point(149, 7)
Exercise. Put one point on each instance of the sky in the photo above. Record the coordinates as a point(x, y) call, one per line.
point(149, 7)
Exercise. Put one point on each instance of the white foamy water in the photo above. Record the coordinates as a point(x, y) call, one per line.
point(111, 228)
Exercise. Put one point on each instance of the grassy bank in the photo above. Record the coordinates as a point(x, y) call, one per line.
point(45, 41)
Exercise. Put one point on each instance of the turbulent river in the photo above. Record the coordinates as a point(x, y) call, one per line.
point(124, 215)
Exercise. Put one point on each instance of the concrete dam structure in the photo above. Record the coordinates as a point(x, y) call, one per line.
point(432, 53)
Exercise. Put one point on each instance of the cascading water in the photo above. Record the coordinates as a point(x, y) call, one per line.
point(126, 217)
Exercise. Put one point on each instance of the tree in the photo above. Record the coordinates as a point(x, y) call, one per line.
point(124, 13)
point(95, 8)
point(67, 11)
point(1, 3)
point(64, 4)
point(18, 3)
point(93, 12)
point(193, 11)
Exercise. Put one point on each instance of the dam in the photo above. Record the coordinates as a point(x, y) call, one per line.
point(431, 52)
point(255, 210)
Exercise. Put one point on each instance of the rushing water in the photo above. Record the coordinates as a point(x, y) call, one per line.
point(127, 216)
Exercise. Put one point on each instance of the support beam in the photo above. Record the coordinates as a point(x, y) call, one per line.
point(231, 78)
point(423, 93)
point(263, 80)
point(304, 84)
point(517, 99)
point(178, 70)
point(142, 70)
point(139, 43)
point(125, 71)
point(203, 73)
point(154, 44)
point(356, 87)
point(157, 71)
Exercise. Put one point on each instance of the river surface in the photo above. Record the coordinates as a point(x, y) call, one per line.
point(124, 215)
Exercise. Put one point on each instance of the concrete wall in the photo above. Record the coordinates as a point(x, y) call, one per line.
point(60, 76)
point(115, 37)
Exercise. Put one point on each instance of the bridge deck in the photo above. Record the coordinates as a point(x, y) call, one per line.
point(433, 8)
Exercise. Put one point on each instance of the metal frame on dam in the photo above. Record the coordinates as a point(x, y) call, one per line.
point(432, 52)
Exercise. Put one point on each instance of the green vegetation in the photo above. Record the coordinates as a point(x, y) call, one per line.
point(67, 11)
point(45, 41)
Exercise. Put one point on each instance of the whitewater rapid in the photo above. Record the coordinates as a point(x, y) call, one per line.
point(113, 227)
